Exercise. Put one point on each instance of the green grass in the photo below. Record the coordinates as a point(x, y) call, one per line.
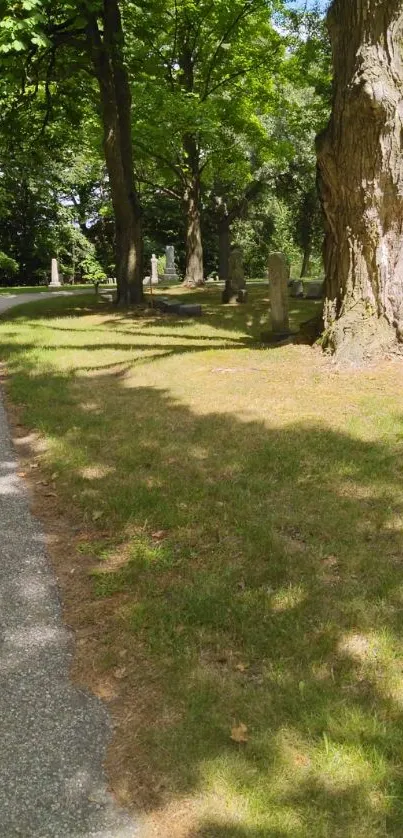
point(241, 517)
point(39, 289)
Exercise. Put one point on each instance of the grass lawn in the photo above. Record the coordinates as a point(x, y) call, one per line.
point(40, 289)
point(231, 560)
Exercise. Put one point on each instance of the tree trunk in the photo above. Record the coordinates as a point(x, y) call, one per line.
point(194, 275)
point(224, 243)
point(305, 227)
point(306, 259)
point(361, 180)
point(107, 55)
point(194, 247)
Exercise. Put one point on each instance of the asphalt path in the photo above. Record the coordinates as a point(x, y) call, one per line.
point(10, 300)
point(53, 736)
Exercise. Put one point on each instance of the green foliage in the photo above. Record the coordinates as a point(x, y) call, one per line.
point(8, 266)
point(161, 264)
point(92, 270)
point(247, 85)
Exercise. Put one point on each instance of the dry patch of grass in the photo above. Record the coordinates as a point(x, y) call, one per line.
point(226, 524)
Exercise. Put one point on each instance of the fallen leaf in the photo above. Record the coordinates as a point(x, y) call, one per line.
point(54, 476)
point(21, 474)
point(242, 667)
point(159, 535)
point(120, 672)
point(239, 733)
point(34, 465)
point(97, 514)
point(50, 495)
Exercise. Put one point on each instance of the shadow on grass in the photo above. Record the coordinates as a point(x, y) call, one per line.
point(249, 320)
point(250, 575)
point(214, 830)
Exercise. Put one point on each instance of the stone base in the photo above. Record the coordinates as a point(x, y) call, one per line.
point(297, 289)
point(55, 285)
point(169, 305)
point(167, 277)
point(232, 296)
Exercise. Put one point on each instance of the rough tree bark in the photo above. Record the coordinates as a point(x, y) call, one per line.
point(306, 261)
point(306, 228)
point(360, 165)
point(107, 55)
point(226, 213)
point(224, 246)
point(194, 275)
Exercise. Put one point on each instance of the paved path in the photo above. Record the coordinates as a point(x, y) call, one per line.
point(52, 735)
point(9, 300)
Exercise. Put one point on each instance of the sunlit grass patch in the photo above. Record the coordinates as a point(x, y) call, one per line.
point(238, 513)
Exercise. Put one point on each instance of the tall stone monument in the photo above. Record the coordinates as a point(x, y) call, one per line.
point(153, 279)
point(170, 274)
point(154, 270)
point(279, 274)
point(55, 280)
point(235, 285)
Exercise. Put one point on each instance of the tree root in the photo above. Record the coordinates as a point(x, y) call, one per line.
point(358, 337)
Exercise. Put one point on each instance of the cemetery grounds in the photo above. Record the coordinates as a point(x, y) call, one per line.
point(225, 521)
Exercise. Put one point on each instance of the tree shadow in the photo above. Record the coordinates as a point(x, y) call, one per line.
point(248, 321)
point(253, 575)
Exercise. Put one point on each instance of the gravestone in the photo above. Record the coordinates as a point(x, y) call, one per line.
point(154, 270)
point(314, 289)
point(279, 274)
point(55, 278)
point(296, 288)
point(169, 305)
point(153, 279)
point(170, 274)
point(235, 285)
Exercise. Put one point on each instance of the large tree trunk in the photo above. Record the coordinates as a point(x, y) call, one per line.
point(361, 180)
point(194, 247)
point(224, 244)
point(107, 54)
point(305, 228)
point(194, 275)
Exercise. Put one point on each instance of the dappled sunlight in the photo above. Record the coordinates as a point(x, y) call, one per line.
point(237, 512)
point(95, 472)
point(287, 598)
point(92, 407)
point(379, 662)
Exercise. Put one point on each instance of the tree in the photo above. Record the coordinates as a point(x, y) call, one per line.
point(55, 42)
point(202, 65)
point(361, 179)
point(106, 42)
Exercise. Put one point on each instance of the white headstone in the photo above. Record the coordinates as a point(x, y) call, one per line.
point(279, 274)
point(55, 280)
point(154, 270)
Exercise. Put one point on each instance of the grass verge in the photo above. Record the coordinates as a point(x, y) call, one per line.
point(39, 289)
point(226, 523)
